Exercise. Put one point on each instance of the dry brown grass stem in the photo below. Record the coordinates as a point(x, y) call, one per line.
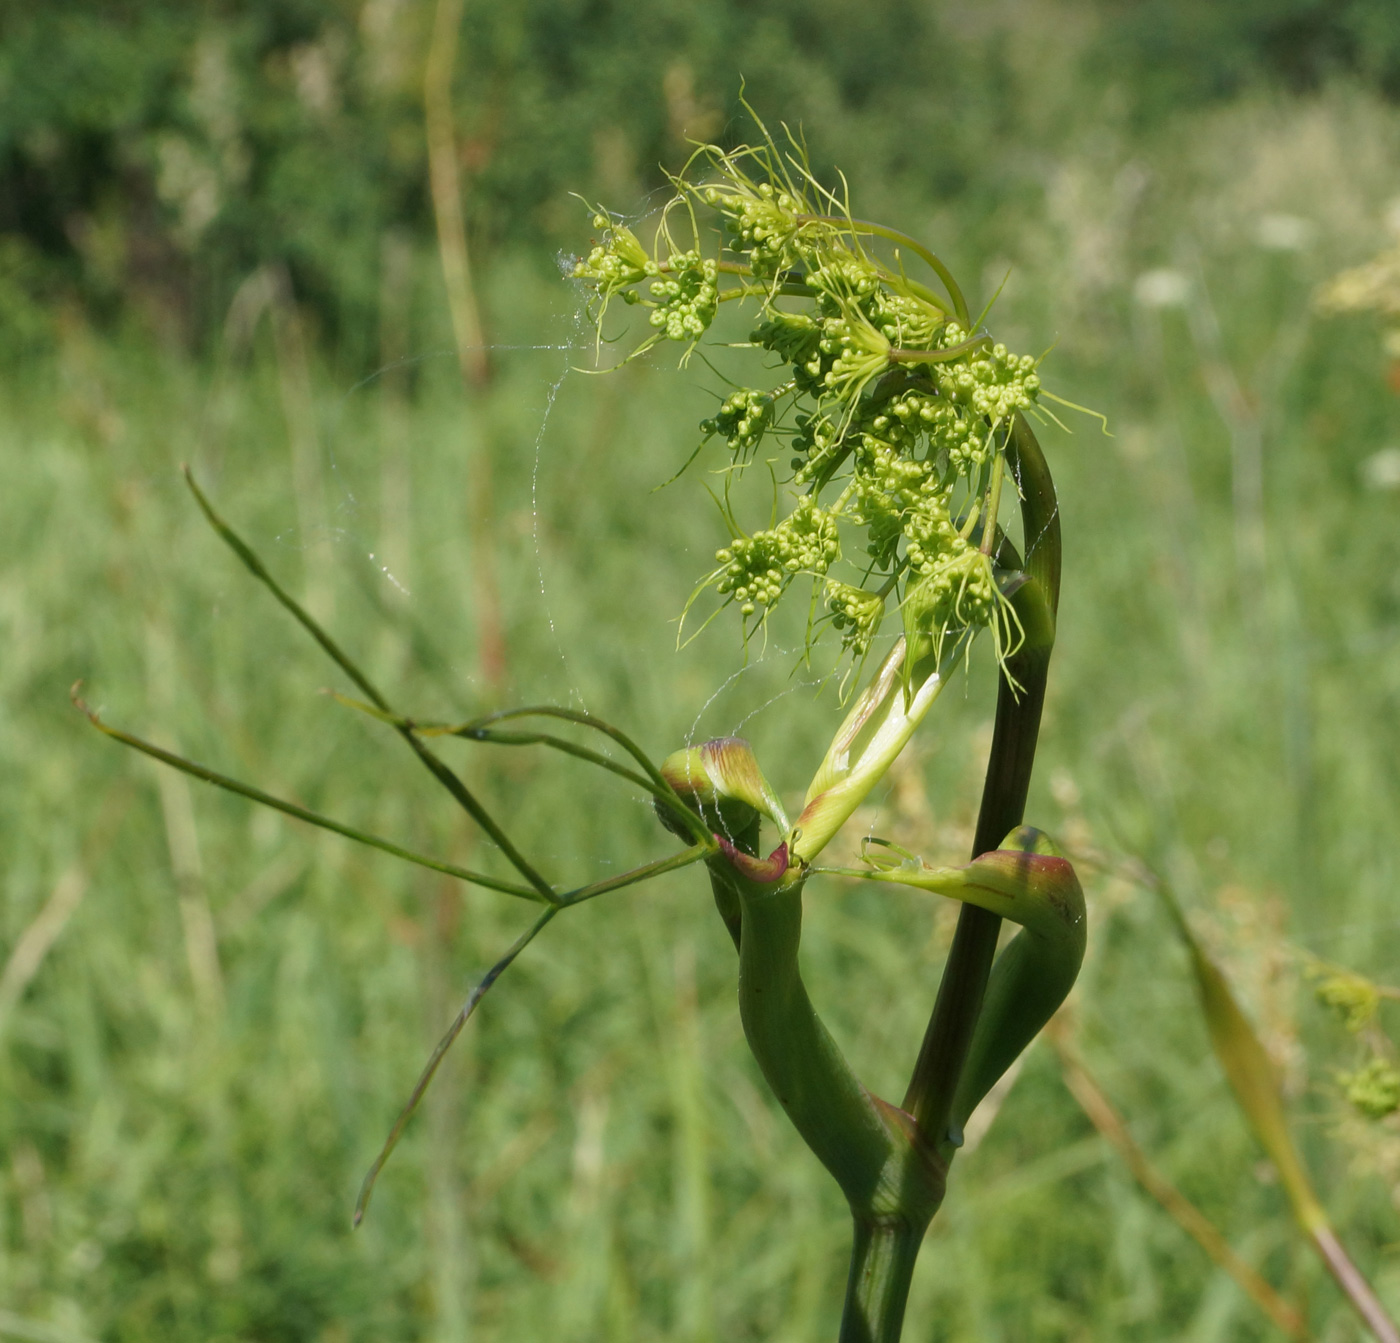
point(1106, 1119)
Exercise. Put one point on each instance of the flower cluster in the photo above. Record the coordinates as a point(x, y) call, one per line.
point(686, 297)
point(994, 385)
point(1371, 287)
point(756, 569)
point(763, 220)
point(1353, 997)
point(743, 419)
point(683, 294)
point(855, 613)
point(958, 591)
point(617, 264)
point(897, 408)
point(1374, 1088)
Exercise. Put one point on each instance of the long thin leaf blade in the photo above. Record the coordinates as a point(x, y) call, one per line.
point(206, 775)
point(1249, 1070)
point(1251, 1075)
point(435, 1059)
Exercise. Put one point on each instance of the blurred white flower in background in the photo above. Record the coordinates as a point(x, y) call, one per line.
point(1162, 289)
point(1381, 470)
point(1284, 233)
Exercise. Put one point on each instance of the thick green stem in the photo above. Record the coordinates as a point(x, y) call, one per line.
point(892, 1180)
point(882, 1267)
point(837, 1117)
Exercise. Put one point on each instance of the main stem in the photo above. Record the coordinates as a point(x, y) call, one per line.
point(882, 1268)
point(892, 1180)
point(883, 1256)
point(929, 1097)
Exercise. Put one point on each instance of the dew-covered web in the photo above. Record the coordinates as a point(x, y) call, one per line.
point(350, 523)
point(352, 526)
point(1032, 543)
point(347, 527)
point(578, 339)
point(773, 652)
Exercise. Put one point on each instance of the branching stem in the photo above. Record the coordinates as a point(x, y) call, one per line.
point(637, 875)
point(948, 356)
point(989, 527)
point(459, 791)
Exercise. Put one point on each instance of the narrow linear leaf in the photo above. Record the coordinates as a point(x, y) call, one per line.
point(232, 785)
point(1249, 1070)
point(459, 791)
point(425, 1078)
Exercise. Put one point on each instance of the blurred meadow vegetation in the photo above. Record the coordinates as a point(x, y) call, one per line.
point(217, 246)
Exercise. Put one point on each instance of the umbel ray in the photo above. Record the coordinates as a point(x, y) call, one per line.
point(907, 440)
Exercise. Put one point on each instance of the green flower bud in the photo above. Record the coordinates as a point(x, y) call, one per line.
point(742, 419)
point(619, 262)
point(792, 335)
point(1353, 996)
point(723, 782)
point(856, 613)
point(1373, 1089)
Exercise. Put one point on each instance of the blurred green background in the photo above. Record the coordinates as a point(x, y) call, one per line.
point(217, 245)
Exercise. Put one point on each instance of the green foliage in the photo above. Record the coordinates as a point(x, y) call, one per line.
point(153, 154)
point(1200, 51)
point(180, 1161)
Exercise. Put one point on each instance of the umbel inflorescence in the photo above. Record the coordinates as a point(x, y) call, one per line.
point(888, 417)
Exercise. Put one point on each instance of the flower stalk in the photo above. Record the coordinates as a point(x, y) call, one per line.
point(933, 1085)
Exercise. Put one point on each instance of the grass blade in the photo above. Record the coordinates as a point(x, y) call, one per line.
point(1104, 1117)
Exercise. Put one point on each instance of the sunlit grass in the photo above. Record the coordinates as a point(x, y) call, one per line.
point(198, 1072)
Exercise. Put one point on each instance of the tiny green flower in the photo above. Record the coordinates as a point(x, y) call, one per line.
point(617, 263)
point(1373, 1089)
point(686, 297)
point(856, 613)
point(755, 570)
point(743, 419)
point(1353, 996)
